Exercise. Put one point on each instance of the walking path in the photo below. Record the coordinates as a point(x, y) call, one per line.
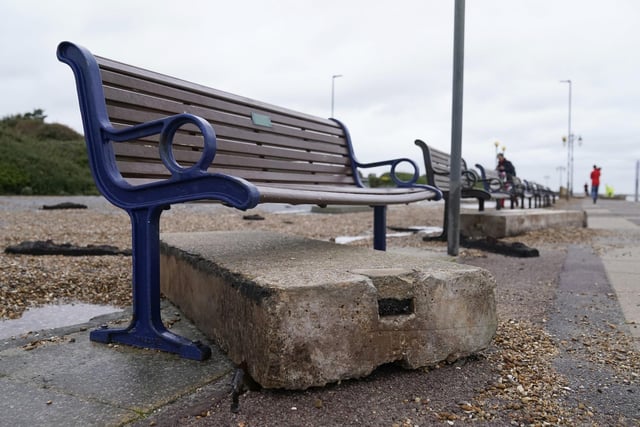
point(622, 262)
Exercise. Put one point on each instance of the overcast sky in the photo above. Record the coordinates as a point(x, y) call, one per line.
point(395, 59)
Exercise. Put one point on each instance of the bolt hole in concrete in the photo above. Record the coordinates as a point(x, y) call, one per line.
point(51, 317)
point(395, 307)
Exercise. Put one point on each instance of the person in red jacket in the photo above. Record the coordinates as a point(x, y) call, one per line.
point(595, 183)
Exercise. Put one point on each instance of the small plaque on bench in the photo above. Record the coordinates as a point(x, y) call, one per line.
point(261, 120)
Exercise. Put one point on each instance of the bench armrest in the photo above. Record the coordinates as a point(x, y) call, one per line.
point(412, 182)
point(394, 164)
point(491, 184)
point(186, 183)
point(167, 128)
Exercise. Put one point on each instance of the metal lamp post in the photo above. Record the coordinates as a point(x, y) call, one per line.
point(333, 90)
point(569, 147)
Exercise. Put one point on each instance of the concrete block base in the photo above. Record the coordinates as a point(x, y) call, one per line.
point(305, 313)
point(511, 222)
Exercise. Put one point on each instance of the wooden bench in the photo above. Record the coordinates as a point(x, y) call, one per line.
point(437, 166)
point(520, 190)
point(517, 189)
point(543, 196)
point(549, 195)
point(154, 140)
point(495, 186)
point(536, 192)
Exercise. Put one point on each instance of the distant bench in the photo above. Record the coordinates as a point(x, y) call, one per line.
point(518, 189)
point(155, 140)
point(437, 166)
point(496, 187)
point(543, 196)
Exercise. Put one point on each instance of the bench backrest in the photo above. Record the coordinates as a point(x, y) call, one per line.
point(255, 140)
point(490, 179)
point(438, 167)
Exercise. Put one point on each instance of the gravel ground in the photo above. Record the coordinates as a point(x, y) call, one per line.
point(554, 360)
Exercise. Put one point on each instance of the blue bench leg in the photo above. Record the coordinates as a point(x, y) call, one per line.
point(380, 228)
point(146, 329)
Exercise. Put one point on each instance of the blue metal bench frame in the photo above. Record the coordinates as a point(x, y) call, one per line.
point(145, 202)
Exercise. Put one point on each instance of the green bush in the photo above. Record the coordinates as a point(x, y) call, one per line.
point(41, 158)
point(385, 180)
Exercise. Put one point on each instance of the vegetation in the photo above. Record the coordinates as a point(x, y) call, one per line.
point(385, 179)
point(42, 158)
point(38, 158)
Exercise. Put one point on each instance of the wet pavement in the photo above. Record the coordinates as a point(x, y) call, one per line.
point(51, 317)
point(58, 377)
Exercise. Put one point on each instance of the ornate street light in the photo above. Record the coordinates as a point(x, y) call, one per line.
point(569, 139)
point(570, 145)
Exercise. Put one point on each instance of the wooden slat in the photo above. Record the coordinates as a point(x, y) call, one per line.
point(355, 197)
point(157, 171)
point(440, 166)
point(148, 147)
point(297, 148)
point(335, 189)
point(125, 103)
point(183, 157)
point(188, 93)
point(117, 114)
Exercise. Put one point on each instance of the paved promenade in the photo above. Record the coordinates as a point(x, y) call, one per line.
point(622, 262)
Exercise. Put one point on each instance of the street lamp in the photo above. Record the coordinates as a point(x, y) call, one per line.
point(333, 90)
point(570, 144)
point(497, 143)
point(569, 147)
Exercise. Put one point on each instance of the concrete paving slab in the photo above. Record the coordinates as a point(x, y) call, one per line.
point(605, 222)
point(302, 312)
point(135, 377)
point(66, 379)
point(596, 210)
point(621, 264)
point(30, 404)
